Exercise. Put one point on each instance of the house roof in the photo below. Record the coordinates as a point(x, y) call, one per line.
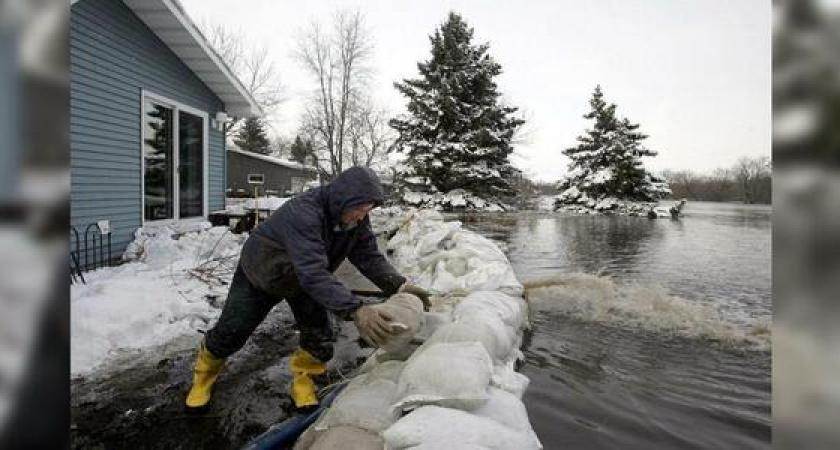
point(274, 160)
point(168, 20)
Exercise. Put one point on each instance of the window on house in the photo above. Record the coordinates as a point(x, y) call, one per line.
point(256, 178)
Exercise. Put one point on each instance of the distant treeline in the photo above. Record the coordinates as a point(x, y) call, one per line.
point(748, 181)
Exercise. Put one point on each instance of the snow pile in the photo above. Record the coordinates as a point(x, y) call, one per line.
point(244, 205)
point(458, 389)
point(168, 288)
point(457, 199)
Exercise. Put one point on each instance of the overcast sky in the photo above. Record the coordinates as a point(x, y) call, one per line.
point(695, 74)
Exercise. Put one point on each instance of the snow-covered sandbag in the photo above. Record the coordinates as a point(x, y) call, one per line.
point(507, 379)
point(406, 312)
point(438, 427)
point(454, 375)
point(512, 310)
point(347, 437)
point(364, 404)
point(506, 409)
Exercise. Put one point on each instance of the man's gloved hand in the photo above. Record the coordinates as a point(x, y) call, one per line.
point(419, 292)
point(374, 325)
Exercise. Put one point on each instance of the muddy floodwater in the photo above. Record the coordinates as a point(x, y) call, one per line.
point(657, 337)
point(648, 378)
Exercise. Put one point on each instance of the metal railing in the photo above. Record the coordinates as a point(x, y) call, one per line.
point(90, 253)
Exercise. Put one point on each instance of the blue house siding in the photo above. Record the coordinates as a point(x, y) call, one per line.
point(114, 56)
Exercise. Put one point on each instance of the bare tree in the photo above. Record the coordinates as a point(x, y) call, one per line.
point(371, 138)
point(252, 64)
point(338, 62)
point(748, 180)
point(749, 172)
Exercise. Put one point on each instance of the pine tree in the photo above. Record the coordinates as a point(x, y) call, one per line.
point(252, 137)
point(457, 135)
point(607, 160)
point(301, 150)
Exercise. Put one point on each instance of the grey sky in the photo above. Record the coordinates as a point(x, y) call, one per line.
point(695, 74)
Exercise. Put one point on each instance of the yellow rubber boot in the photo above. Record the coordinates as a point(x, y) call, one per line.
point(303, 365)
point(205, 373)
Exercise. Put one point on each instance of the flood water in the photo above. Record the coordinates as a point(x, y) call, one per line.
point(667, 347)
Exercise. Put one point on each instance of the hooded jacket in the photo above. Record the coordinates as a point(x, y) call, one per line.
point(297, 249)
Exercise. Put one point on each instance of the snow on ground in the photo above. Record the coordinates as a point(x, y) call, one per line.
point(457, 199)
point(156, 297)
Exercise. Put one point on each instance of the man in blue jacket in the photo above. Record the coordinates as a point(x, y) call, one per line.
point(292, 256)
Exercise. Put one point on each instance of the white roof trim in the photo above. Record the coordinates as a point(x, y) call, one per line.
point(273, 160)
point(168, 20)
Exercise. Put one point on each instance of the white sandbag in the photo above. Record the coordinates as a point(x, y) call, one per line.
point(433, 320)
point(506, 409)
point(458, 446)
point(406, 310)
point(512, 310)
point(431, 241)
point(388, 370)
point(488, 327)
point(507, 379)
point(491, 334)
point(453, 375)
point(347, 437)
point(445, 427)
point(364, 404)
point(475, 245)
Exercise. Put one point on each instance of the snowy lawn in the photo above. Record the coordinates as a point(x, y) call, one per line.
point(172, 287)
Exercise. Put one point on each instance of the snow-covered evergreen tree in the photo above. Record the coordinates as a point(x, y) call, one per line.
point(457, 134)
point(251, 137)
point(607, 162)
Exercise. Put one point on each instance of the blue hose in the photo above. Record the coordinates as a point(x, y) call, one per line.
point(286, 432)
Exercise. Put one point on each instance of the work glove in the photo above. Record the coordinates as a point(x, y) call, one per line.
point(421, 293)
point(374, 325)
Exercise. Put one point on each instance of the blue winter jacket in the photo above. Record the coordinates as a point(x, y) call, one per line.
point(297, 249)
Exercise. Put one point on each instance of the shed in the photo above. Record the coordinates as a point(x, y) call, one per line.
point(279, 177)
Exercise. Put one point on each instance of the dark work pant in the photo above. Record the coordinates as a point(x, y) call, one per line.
point(247, 306)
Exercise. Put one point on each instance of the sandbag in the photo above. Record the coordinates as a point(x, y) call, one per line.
point(432, 322)
point(506, 409)
point(457, 446)
point(438, 427)
point(487, 327)
point(364, 404)
point(455, 375)
point(347, 437)
point(507, 379)
point(493, 337)
point(512, 310)
point(407, 311)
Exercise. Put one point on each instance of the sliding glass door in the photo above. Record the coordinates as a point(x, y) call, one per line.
point(158, 162)
point(174, 160)
point(191, 165)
